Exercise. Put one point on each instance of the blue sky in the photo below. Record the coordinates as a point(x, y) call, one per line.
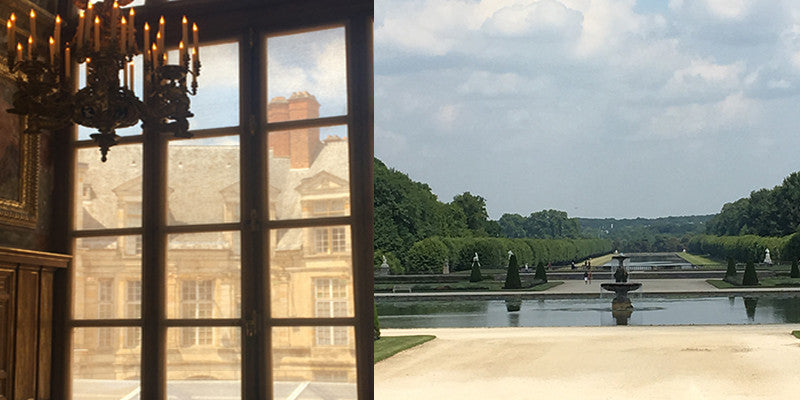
point(600, 108)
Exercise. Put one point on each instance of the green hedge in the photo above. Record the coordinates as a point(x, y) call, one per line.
point(428, 255)
point(743, 248)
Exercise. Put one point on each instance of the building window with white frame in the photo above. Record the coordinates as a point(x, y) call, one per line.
point(330, 302)
point(197, 302)
point(133, 309)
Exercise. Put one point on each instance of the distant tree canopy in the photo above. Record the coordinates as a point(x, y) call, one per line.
point(545, 224)
point(767, 212)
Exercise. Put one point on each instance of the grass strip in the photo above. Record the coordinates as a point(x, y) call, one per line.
point(796, 334)
point(777, 282)
point(698, 260)
point(388, 346)
point(483, 286)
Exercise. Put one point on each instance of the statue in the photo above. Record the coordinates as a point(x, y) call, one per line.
point(384, 269)
point(510, 253)
point(767, 259)
point(446, 267)
point(475, 260)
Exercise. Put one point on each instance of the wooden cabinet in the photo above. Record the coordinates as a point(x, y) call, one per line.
point(26, 322)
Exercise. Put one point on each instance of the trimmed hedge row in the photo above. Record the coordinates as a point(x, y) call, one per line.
point(428, 255)
point(744, 248)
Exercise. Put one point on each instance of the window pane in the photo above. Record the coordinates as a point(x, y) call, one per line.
point(104, 372)
point(314, 362)
point(203, 275)
point(203, 179)
point(109, 194)
point(306, 283)
point(309, 174)
point(302, 64)
point(206, 367)
point(105, 269)
point(216, 104)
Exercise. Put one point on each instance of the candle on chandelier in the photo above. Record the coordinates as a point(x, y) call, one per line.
point(33, 27)
point(88, 61)
point(131, 33)
point(79, 32)
point(10, 34)
point(181, 53)
point(67, 65)
point(146, 38)
point(30, 47)
point(154, 53)
point(87, 29)
point(52, 43)
point(161, 33)
point(114, 13)
point(184, 31)
point(158, 40)
point(97, 33)
point(195, 41)
point(57, 30)
point(123, 39)
point(19, 51)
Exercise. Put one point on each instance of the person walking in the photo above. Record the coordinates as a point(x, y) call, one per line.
point(586, 277)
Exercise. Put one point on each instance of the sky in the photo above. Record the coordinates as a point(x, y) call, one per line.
point(599, 108)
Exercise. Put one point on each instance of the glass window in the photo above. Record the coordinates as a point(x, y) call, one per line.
point(211, 372)
point(203, 179)
point(329, 370)
point(310, 68)
point(216, 104)
point(326, 275)
point(309, 173)
point(204, 273)
point(108, 194)
point(103, 371)
point(98, 262)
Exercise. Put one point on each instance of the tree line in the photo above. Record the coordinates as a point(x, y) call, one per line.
point(766, 212)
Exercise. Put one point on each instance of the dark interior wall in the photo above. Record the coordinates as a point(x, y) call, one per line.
point(40, 237)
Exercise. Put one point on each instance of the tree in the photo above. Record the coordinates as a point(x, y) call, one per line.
point(474, 208)
point(540, 274)
point(750, 278)
point(553, 224)
point(795, 270)
point(512, 226)
point(512, 276)
point(427, 256)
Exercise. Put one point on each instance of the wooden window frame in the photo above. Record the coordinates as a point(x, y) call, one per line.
point(243, 21)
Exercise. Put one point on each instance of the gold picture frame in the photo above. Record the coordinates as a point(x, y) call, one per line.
point(19, 161)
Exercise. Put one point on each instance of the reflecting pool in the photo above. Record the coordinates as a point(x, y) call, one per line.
point(756, 309)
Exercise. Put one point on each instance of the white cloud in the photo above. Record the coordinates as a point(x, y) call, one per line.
point(728, 9)
point(545, 16)
point(696, 120)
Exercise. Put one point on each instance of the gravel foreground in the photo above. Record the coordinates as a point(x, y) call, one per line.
point(617, 362)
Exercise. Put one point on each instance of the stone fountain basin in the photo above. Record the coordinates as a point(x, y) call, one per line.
point(620, 286)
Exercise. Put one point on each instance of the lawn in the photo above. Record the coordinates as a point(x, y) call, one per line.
point(388, 346)
point(699, 260)
point(796, 334)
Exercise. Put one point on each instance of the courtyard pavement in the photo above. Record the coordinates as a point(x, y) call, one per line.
point(587, 363)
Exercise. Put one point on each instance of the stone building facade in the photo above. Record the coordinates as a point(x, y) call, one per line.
point(310, 269)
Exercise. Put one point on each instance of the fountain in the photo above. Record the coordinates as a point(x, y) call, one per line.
point(621, 306)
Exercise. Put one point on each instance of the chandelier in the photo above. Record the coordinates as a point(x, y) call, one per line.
point(104, 40)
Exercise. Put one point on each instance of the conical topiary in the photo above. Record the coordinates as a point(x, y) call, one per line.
point(512, 276)
point(750, 278)
point(730, 274)
point(475, 275)
point(795, 270)
point(540, 274)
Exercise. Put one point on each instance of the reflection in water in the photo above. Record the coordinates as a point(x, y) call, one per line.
point(772, 309)
point(513, 319)
point(621, 316)
point(750, 307)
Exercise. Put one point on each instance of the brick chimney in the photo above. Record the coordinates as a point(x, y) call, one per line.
point(300, 145)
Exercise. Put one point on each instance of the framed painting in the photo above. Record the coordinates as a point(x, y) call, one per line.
point(19, 161)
